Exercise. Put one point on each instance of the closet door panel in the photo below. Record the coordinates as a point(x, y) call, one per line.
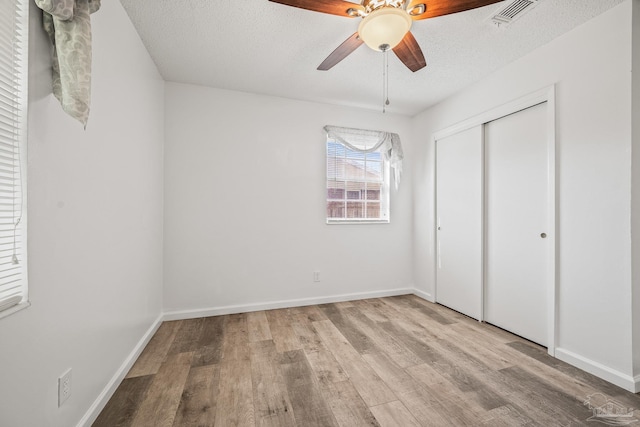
point(459, 184)
point(516, 203)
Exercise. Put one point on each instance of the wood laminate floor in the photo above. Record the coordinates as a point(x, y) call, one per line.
point(398, 361)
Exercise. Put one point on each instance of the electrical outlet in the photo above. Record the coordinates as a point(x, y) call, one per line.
point(64, 387)
point(316, 276)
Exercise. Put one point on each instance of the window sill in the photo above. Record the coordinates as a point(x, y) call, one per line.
point(14, 309)
point(352, 221)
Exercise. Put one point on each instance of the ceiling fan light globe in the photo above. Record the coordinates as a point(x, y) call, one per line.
point(384, 26)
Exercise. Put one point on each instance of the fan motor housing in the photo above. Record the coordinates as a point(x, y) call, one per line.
point(371, 5)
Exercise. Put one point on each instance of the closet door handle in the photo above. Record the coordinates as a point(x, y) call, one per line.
point(543, 235)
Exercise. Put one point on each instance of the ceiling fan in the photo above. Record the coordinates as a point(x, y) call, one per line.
point(386, 24)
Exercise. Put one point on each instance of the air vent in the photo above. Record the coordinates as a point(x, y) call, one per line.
point(513, 11)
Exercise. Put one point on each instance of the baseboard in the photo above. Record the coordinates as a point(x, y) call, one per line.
point(424, 295)
point(99, 404)
point(627, 382)
point(244, 308)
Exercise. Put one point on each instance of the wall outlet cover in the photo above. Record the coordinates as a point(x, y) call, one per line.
point(64, 387)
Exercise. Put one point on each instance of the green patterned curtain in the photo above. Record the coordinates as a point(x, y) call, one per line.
point(68, 25)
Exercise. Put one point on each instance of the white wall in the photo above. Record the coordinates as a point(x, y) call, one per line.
point(95, 229)
point(244, 204)
point(591, 69)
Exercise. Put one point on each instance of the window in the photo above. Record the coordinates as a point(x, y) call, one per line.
point(13, 104)
point(357, 185)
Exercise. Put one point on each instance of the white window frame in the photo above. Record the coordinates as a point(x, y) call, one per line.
point(14, 42)
point(385, 193)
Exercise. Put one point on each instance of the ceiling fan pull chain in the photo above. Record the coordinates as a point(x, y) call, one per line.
point(385, 77)
point(386, 64)
point(384, 56)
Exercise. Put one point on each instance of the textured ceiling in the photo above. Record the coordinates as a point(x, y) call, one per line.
point(267, 48)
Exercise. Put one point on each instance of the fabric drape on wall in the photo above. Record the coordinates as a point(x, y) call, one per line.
point(372, 140)
point(68, 25)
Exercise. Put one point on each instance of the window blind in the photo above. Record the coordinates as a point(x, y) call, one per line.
point(13, 62)
point(357, 185)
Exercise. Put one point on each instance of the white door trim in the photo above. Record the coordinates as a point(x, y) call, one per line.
point(547, 95)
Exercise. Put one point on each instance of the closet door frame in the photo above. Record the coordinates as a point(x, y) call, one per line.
point(547, 95)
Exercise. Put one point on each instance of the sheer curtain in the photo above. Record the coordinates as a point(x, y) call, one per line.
point(368, 141)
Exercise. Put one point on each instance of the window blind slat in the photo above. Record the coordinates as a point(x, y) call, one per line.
point(8, 234)
point(10, 164)
point(10, 289)
point(10, 301)
point(7, 89)
point(6, 145)
point(10, 279)
point(6, 194)
point(5, 134)
point(8, 104)
point(9, 240)
point(11, 22)
point(9, 117)
point(8, 252)
point(9, 184)
point(8, 170)
point(6, 18)
point(11, 71)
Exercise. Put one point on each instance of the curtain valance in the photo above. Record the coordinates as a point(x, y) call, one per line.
point(68, 25)
point(368, 141)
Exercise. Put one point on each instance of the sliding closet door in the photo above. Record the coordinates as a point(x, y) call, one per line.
point(459, 221)
point(516, 203)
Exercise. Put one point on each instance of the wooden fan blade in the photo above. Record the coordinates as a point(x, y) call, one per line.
point(333, 7)
point(341, 52)
point(435, 8)
point(410, 53)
